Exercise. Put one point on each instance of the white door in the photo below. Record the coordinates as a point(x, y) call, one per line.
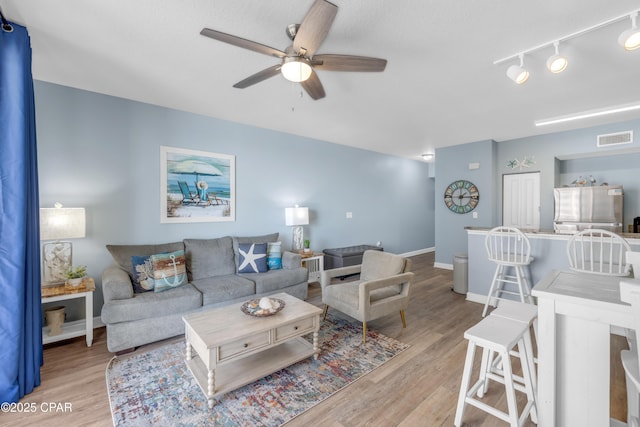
point(521, 200)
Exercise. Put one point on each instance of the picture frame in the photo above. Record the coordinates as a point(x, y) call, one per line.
point(196, 186)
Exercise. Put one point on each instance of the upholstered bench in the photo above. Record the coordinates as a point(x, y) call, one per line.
point(343, 257)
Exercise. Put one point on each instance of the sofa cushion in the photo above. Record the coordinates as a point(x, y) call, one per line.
point(274, 255)
point(142, 273)
point(252, 239)
point(274, 280)
point(253, 257)
point(209, 257)
point(122, 253)
point(169, 270)
point(150, 305)
point(224, 288)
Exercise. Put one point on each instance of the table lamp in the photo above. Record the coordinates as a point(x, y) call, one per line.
point(296, 217)
point(56, 224)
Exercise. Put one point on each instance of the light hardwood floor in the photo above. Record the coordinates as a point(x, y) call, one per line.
point(417, 388)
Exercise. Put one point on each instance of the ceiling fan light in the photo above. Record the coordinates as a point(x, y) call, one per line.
point(557, 63)
point(295, 70)
point(517, 74)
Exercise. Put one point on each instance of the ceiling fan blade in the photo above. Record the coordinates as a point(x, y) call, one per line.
point(313, 86)
point(259, 76)
point(243, 43)
point(314, 27)
point(348, 63)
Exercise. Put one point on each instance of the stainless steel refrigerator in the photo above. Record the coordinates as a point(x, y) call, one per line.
point(580, 208)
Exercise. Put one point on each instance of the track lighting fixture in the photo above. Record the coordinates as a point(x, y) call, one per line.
point(517, 73)
point(630, 39)
point(557, 63)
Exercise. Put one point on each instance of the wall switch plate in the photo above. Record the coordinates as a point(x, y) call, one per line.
point(474, 215)
point(473, 166)
point(349, 215)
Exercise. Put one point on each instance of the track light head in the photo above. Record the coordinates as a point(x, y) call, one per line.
point(630, 39)
point(557, 63)
point(517, 73)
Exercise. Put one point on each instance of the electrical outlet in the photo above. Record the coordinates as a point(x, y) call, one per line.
point(475, 215)
point(349, 215)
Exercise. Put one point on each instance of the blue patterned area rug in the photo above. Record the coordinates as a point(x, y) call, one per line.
point(156, 388)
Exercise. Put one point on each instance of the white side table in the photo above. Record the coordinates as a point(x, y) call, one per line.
point(314, 262)
point(76, 328)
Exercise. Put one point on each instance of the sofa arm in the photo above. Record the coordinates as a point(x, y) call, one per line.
point(291, 260)
point(116, 284)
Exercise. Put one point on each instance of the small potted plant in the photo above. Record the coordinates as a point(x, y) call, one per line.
point(76, 274)
point(307, 243)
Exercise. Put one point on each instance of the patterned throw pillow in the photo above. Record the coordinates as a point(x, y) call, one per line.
point(253, 257)
point(142, 274)
point(274, 255)
point(169, 270)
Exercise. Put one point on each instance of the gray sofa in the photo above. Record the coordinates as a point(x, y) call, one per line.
point(134, 319)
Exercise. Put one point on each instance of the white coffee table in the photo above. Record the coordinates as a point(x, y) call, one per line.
point(233, 349)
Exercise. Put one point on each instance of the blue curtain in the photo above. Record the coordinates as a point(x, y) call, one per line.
point(20, 309)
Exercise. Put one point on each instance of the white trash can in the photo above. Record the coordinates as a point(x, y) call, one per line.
point(460, 272)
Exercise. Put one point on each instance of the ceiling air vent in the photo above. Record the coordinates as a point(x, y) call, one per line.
point(615, 138)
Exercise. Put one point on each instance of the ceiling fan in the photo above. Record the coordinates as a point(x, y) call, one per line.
point(298, 60)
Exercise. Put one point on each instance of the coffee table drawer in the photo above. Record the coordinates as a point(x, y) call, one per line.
point(300, 327)
point(243, 345)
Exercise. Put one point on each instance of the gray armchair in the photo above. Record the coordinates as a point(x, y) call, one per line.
point(383, 288)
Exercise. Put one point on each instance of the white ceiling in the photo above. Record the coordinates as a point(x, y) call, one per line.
point(440, 86)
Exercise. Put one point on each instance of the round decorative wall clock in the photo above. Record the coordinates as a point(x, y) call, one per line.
point(461, 196)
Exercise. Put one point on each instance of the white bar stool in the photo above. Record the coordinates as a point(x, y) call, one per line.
point(500, 335)
point(508, 247)
point(528, 315)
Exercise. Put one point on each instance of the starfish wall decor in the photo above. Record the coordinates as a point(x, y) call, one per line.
point(526, 162)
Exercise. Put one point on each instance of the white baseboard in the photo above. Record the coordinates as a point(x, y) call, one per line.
point(418, 252)
point(443, 265)
point(481, 299)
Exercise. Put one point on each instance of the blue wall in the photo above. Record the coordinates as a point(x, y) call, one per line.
point(452, 164)
point(102, 153)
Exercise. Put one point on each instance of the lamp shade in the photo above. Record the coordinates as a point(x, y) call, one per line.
point(296, 216)
point(62, 223)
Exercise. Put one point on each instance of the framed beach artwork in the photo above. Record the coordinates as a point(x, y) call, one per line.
point(196, 186)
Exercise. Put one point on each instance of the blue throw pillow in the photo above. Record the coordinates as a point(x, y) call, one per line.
point(142, 274)
point(253, 257)
point(274, 255)
point(169, 270)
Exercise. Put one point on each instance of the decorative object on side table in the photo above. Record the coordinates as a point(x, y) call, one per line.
point(307, 245)
point(296, 217)
point(56, 224)
point(55, 319)
point(75, 275)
